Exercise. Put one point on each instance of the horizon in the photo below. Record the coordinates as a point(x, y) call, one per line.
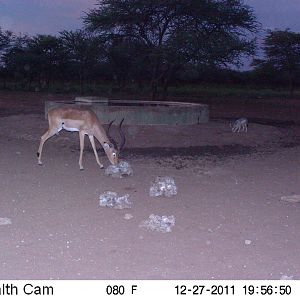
point(33, 17)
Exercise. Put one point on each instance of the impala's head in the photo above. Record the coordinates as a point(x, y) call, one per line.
point(111, 148)
point(111, 152)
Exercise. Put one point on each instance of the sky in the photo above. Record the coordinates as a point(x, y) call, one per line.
point(277, 14)
point(43, 16)
point(52, 16)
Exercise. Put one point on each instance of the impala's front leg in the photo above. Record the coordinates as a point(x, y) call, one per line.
point(81, 140)
point(91, 137)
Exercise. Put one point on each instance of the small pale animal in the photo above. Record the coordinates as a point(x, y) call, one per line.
point(239, 125)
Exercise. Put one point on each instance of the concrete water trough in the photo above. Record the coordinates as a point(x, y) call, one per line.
point(140, 112)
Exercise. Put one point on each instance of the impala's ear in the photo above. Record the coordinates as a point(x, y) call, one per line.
point(106, 145)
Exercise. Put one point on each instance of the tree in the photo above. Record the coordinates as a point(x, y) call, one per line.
point(282, 54)
point(45, 57)
point(6, 38)
point(175, 32)
point(84, 51)
point(39, 58)
point(125, 61)
point(15, 59)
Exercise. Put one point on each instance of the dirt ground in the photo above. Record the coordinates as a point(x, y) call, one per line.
point(229, 220)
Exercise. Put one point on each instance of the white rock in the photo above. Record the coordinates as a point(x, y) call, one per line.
point(5, 221)
point(128, 216)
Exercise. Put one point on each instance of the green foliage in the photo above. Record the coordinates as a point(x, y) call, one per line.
point(282, 54)
point(5, 39)
point(83, 52)
point(168, 34)
point(41, 60)
point(154, 48)
point(282, 49)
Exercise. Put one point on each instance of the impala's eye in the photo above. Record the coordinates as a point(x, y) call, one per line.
point(114, 154)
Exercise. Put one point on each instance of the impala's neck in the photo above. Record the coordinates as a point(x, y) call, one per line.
point(100, 134)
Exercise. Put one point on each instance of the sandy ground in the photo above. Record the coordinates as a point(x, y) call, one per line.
point(230, 222)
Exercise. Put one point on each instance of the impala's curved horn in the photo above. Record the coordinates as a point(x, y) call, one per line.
point(123, 138)
point(109, 137)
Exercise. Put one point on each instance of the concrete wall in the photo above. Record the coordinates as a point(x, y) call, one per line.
point(144, 112)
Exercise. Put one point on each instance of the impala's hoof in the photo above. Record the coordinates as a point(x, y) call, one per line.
point(81, 169)
point(40, 163)
point(101, 166)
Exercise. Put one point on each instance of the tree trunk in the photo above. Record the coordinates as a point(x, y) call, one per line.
point(166, 81)
point(29, 83)
point(48, 84)
point(80, 83)
point(291, 84)
point(154, 80)
point(165, 89)
point(154, 87)
point(15, 82)
point(81, 78)
point(140, 84)
point(4, 83)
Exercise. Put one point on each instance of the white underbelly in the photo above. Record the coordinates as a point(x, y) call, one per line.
point(63, 126)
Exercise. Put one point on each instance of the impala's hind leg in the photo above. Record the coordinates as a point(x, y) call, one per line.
point(81, 141)
point(49, 133)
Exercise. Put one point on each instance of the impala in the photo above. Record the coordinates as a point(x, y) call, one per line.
point(85, 122)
